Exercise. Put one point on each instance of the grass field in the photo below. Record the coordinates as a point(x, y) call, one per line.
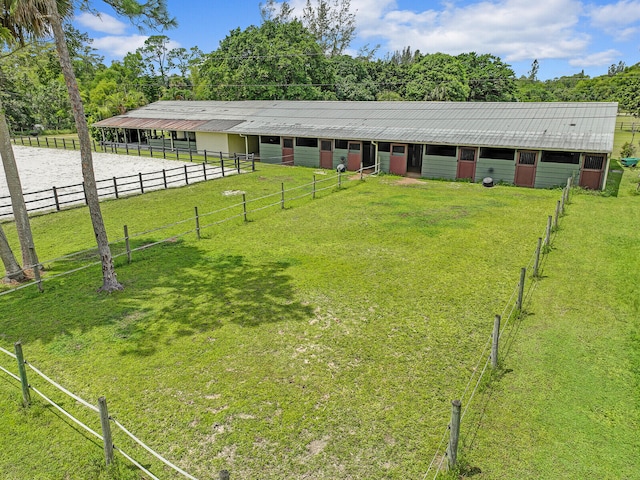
point(325, 340)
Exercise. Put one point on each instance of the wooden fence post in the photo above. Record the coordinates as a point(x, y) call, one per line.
point(26, 396)
point(205, 156)
point(282, 197)
point(106, 430)
point(55, 197)
point(46, 140)
point(495, 337)
point(548, 234)
point(36, 269)
point(64, 144)
point(237, 160)
point(562, 199)
point(523, 274)
point(536, 262)
point(221, 164)
point(141, 184)
point(73, 141)
point(244, 206)
point(186, 175)
point(55, 142)
point(164, 178)
point(454, 434)
point(204, 171)
point(253, 162)
point(557, 215)
point(126, 243)
point(197, 223)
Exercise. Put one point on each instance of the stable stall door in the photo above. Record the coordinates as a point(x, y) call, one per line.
point(326, 154)
point(354, 157)
point(398, 160)
point(526, 169)
point(287, 151)
point(466, 163)
point(592, 171)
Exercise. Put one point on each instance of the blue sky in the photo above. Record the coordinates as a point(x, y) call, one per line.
point(565, 36)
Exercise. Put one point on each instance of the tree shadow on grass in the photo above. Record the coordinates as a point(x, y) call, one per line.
point(171, 290)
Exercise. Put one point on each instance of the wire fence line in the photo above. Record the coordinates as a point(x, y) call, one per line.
point(58, 198)
point(23, 362)
point(121, 246)
point(512, 311)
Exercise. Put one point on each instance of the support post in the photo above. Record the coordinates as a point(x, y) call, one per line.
point(164, 178)
point(221, 164)
point(244, 206)
point(36, 269)
point(547, 239)
point(205, 156)
point(186, 175)
point(237, 159)
point(55, 197)
point(126, 243)
point(204, 171)
point(523, 274)
point(115, 187)
point(282, 197)
point(557, 215)
point(73, 142)
point(495, 337)
point(536, 262)
point(562, 199)
point(197, 223)
point(454, 434)
point(64, 144)
point(106, 430)
point(141, 184)
point(26, 396)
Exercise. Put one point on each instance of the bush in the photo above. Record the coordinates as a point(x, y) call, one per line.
point(627, 150)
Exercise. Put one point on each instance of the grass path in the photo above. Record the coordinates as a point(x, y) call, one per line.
point(566, 403)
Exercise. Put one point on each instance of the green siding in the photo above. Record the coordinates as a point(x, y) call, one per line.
point(385, 160)
point(270, 153)
point(306, 156)
point(498, 170)
point(436, 166)
point(338, 153)
point(555, 174)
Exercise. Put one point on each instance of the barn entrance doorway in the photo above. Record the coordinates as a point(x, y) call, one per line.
point(326, 154)
point(287, 151)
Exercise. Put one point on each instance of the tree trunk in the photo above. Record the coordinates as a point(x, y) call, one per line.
point(109, 279)
point(11, 267)
point(20, 215)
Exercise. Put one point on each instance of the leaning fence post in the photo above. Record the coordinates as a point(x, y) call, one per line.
point(562, 199)
point(557, 214)
point(523, 274)
point(197, 223)
point(186, 175)
point(26, 396)
point(495, 337)
point(282, 197)
point(126, 243)
point(244, 206)
point(55, 197)
point(141, 184)
point(106, 430)
point(454, 434)
point(548, 235)
point(64, 144)
point(536, 262)
point(115, 187)
point(164, 178)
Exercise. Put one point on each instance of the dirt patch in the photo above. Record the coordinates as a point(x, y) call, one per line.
point(317, 446)
point(409, 181)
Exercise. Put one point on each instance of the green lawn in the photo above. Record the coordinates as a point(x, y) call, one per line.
point(327, 340)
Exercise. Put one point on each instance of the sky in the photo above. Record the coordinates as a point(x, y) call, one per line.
point(565, 36)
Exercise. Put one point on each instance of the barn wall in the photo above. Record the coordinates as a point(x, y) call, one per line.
point(338, 153)
point(212, 142)
point(236, 144)
point(550, 174)
point(270, 153)
point(385, 159)
point(498, 170)
point(435, 166)
point(306, 156)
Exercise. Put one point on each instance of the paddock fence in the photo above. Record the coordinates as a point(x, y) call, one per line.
point(445, 457)
point(197, 223)
point(59, 198)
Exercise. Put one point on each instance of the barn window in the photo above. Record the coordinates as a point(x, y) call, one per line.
point(398, 150)
point(325, 145)
point(498, 153)
point(343, 144)
point(527, 158)
point(307, 142)
point(287, 142)
point(561, 157)
point(442, 150)
point(384, 147)
point(593, 162)
point(468, 154)
point(270, 140)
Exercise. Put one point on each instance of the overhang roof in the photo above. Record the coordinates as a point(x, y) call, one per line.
point(556, 126)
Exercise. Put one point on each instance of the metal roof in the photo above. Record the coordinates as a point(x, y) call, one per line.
point(555, 126)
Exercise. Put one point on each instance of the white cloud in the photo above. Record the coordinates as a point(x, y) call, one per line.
point(118, 46)
point(512, 29)
point(102, 23)
point(598, 59)
point(620, 20)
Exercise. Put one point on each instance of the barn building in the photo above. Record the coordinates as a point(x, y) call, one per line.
point(527, 144)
